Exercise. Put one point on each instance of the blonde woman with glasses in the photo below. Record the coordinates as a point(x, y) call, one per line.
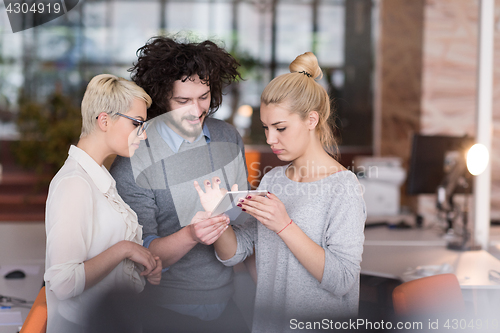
point(94, 242)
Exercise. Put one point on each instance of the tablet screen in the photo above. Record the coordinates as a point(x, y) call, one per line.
point(227, 205)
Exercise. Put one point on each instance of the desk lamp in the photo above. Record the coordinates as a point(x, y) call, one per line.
point(455, 168)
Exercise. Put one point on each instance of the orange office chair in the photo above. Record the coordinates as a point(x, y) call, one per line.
point(36, 322)
point(437, 294)
point(252, 158)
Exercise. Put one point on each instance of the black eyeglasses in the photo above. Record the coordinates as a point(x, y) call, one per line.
point(136, 122)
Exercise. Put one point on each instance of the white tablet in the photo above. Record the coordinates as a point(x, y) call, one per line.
point(227, 205)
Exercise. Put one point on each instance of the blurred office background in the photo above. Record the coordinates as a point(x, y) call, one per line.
point(103, 36)
point(392, 67)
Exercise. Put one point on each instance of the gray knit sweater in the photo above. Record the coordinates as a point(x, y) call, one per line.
point(158, 185)
point(332, 213)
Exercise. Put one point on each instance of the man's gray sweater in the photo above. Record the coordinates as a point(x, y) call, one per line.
point(158, 185)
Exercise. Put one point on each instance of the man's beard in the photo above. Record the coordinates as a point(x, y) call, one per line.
point(188, 130)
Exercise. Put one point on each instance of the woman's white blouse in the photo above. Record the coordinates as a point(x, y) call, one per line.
point(84, 217)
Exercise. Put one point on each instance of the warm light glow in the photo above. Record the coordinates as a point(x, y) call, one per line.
point(245, 111)
point(477, 159)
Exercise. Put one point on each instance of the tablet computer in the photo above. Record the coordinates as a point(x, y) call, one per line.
point(227, 205)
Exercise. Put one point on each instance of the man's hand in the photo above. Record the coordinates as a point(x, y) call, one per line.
point(155, 276)
point(205, 229)
point(212, 194)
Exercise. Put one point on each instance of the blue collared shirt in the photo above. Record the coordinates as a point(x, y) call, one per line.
point(174, 140)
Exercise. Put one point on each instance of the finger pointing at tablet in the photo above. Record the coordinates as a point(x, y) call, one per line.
point(212, 194)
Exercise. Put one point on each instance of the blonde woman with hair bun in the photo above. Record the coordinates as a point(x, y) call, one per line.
point(308, 231)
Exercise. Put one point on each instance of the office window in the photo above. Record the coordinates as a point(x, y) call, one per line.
point(132, 23)
point(254, 30)
point(294, 31)
point(96, 34)
point(202, 18)
point(265, 35)
point(330, 35)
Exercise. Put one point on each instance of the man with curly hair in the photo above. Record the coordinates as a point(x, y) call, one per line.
point(185, 81)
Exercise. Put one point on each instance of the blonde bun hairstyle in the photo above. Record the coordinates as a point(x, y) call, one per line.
point(302, 94)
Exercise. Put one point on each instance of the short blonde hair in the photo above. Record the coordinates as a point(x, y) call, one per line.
point(302, 94)
point(111, 94)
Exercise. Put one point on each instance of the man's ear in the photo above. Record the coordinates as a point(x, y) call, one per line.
point(103, 121)
point(312, 119)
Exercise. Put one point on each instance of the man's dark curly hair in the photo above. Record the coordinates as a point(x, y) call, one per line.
point(164, 60)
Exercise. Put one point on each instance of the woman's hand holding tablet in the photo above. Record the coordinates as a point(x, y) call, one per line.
point(219, 201)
